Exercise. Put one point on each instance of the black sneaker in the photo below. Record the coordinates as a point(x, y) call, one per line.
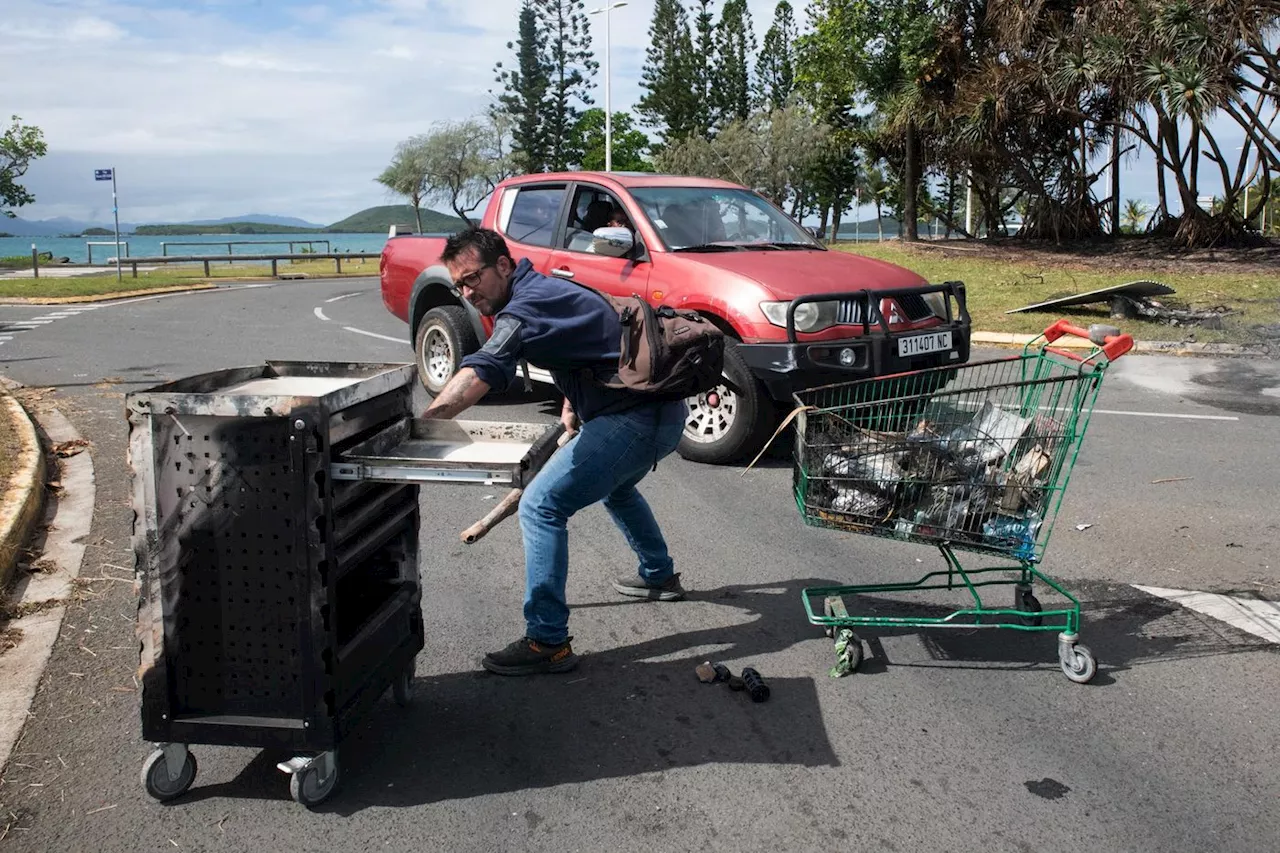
point(529, 657)
point(635, 587)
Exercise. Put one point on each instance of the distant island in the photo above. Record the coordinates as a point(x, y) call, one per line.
point(372, 220)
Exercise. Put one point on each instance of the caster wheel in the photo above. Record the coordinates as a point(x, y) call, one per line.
point(156, 780)
point(1027, 602)
point(402, 689)
point(1081, 666)
point(307, 787)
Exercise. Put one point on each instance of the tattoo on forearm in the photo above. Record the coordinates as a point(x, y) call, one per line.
point(452, 397)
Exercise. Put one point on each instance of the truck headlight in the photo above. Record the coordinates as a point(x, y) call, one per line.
point(810, 316)
point(937, 303)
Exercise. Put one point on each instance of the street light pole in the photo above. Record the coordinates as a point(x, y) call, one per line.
point(608, 106)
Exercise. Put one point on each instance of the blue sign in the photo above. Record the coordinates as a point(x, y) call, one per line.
point(102, 174)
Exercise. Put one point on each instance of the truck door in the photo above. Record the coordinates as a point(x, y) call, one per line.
point(574, 256)
point(528, 218)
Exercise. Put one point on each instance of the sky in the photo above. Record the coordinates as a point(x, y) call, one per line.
point(213, 108)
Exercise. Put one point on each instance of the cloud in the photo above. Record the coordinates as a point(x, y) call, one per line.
point(94, 29)
point(398, 51)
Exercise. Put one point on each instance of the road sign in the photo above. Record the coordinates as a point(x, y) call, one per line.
point(102, 174)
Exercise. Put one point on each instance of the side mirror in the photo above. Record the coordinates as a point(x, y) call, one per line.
point(613, 242)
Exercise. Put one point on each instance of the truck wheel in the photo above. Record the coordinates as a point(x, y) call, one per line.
point(444, 336)
point(732, 420)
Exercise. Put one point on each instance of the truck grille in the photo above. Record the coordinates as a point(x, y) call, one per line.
point(912, 305)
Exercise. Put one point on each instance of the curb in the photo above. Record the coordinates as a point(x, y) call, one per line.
point(22, 502)
point(1160, 347)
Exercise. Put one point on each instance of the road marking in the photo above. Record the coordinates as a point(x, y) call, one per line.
point(344, 296)
point(1166, 415)
point(1249, 612)
point(320, 314)
point(376, 335)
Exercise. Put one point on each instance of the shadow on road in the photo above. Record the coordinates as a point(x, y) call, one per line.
point(637, 709)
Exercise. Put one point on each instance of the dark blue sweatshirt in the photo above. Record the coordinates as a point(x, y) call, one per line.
point(562, 328)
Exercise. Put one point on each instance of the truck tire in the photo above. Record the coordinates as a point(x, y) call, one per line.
point(444, 337)
point(731, 421)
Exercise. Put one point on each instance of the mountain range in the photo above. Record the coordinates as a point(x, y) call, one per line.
point(373, 219)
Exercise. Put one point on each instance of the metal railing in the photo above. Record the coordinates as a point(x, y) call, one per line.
point(336, 257)
point(165, 244)
point(89, 244)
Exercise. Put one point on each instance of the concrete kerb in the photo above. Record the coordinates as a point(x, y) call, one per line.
point(20, 504)
point(1009, 339)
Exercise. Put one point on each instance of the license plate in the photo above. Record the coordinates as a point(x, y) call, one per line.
point(923, 344)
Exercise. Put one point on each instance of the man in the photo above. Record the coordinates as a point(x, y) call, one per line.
point(620, 435)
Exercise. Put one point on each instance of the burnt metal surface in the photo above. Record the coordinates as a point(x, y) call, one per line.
point(275, 604)
point(272, 388)
point(428, 450)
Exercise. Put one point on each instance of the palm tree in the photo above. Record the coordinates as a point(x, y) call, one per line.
point(876, 185)
point(1135, 213)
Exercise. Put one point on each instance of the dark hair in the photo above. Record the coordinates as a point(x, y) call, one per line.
point(488, 244)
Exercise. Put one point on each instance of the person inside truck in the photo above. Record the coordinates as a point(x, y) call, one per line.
point(618, 436)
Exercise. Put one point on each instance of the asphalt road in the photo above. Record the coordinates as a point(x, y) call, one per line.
point(946, 740)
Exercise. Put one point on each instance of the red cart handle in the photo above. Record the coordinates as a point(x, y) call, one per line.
point(1113, 346)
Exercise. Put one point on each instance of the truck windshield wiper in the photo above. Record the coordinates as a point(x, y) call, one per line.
point(712, 247)
point(789, 246)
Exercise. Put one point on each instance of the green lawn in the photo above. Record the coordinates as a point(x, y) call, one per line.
point(171, 276)
point(995, 283)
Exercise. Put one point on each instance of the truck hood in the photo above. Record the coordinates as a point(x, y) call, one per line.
point(789, 274)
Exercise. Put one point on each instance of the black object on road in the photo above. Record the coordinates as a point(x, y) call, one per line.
point(755, 686)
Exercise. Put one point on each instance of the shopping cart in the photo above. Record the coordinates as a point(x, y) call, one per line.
point(969, 458)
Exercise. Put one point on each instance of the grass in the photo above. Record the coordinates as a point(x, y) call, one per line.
point(998, 281)
point(15, 262)
point(172, 275)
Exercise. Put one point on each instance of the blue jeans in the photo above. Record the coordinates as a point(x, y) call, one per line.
point(604, 461)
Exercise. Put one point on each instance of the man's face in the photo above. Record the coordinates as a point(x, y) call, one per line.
point(486, 286)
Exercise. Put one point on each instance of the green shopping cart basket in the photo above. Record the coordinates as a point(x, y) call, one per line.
point(968, 458)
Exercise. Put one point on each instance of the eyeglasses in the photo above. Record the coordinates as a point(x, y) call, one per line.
point(471, 279)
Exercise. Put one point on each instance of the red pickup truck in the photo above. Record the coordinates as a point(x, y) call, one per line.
point(798, 315)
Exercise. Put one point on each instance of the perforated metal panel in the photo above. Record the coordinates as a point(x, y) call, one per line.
point(229, 491)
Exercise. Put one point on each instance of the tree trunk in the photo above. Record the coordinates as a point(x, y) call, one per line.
point(822, 222)
point(879, 221)
point(910, 182)
point(1115, 181)
point(835, 223)
point(1160, 185)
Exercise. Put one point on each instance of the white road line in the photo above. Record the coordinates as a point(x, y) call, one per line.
point(320, 314)
point(1167, 415)
point(376, 335)
point(344, 296)
point(30, 323)
point(1249, 613)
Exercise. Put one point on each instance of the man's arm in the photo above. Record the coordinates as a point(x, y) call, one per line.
point(462, 392)
point(569, 417)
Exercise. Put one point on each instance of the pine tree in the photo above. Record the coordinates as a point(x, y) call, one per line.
point(570, 68)
point(524, 99)
point(730, 90)
point(775, 68)
point(670, 102)
point(702, 72)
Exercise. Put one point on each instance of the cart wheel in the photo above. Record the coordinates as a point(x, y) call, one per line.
point(308, 789)
point(1026, 601)
point(1080, 667)
point(155, 776)
point(402, 689)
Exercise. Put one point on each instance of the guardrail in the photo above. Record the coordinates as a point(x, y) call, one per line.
point(337, 257)
point(89, 244)
point(165, 244)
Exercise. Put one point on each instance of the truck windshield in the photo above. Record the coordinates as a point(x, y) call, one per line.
point(702, 218)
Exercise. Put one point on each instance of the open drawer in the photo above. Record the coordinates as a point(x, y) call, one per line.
point(451, 451)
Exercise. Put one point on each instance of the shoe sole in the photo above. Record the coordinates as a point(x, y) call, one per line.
point(541, 668)
point(649, 594)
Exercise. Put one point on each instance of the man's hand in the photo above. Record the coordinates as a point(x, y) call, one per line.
point(463, 391)
point(569, 418)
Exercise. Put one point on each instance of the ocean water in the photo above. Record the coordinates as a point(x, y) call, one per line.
point(76, 249)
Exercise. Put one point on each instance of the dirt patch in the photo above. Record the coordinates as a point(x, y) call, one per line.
point(1147, 254)
point(10, 447)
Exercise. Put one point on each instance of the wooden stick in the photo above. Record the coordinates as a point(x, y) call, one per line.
point(505, 507)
